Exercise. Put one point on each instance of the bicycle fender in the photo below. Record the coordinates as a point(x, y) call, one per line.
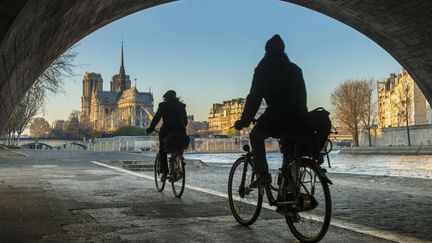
point(243, 157)
point(323, 175)
point(320, 171)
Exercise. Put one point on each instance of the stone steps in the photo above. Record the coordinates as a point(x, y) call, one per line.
point(146, 165)
point(137, 165)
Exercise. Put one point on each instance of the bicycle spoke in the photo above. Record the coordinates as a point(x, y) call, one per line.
point(157, 175)
point(178, 180)
point(311, 224)
point(303, 184)
point(245, 202)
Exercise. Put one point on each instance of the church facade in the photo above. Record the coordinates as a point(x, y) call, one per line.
point(121, 106)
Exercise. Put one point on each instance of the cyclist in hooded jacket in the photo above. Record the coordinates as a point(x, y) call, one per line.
point(174, 116)
point(280, 83)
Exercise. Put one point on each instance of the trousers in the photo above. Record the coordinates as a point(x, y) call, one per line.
point(257, 140)
point(163, 156)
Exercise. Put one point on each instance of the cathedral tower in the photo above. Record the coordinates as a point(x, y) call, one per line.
point(92, 82)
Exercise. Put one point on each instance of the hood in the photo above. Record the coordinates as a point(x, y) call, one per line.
point(275, 45)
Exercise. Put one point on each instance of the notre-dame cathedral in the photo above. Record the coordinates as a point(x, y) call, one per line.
point(122, 105)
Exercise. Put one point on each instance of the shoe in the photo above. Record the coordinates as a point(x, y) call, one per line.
point(262, 180)
point(164, 176)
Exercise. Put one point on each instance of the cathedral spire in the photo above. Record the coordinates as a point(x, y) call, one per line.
point(124, 82)
point(122, 69)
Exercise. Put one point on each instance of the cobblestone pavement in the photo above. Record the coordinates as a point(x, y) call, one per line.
point(60, 196)
point(402, 205)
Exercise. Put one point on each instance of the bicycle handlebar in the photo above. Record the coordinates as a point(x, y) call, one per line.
point(254, 121)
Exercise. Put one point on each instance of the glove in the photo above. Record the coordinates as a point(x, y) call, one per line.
point(149, 130)
point(239, 125)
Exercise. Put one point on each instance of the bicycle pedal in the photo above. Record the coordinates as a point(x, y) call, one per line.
point(285, 203)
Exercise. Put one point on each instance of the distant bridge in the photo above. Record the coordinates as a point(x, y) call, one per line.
point(46, 143)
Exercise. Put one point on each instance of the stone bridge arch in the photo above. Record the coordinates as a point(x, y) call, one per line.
point(34, 32)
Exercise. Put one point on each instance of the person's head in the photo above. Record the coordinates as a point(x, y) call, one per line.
point(170, 95)
point(275, 45)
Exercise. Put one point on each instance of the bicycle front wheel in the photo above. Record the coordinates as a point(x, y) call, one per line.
point(313, 220)
point(160, 185)
point(178, 183)
point(245, 203)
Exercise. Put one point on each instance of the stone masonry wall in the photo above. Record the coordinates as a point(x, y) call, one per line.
point(397, 136)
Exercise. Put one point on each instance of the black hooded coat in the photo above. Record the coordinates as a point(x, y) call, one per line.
point(280, 83)
point(173, 113)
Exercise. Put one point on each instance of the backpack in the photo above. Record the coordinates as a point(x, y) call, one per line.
point(320, 125)
point(176, 141)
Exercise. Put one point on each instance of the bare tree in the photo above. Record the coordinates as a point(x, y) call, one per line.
point(52, 79)
point(86, 125)
point(27, 108)
point(77, 127)
point(72, 124)
point(349, 104)
point(50, 82)
point(369, 112)
point(39, 127)
point(404, 94)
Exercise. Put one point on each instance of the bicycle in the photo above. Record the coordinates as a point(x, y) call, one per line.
point(176, 175)
point(301, 187)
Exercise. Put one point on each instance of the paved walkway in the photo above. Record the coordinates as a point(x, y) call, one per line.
point(397, 205)
point(58, 196)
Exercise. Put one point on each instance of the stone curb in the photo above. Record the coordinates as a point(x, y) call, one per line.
point(402, 150)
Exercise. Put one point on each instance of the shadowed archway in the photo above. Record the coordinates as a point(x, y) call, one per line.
point(34, 32)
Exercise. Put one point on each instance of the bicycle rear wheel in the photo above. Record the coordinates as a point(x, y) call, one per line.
point(311, 224)
point(178, 184)
point(160, 185)
point(245, 203)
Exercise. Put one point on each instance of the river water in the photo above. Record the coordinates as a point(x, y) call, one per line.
point(419, 166)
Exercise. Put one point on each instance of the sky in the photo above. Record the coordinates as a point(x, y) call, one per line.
point(206, 50)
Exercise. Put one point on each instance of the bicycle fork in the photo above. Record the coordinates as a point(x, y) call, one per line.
point(243, 190)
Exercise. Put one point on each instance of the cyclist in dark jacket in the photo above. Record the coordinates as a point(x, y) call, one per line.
point(173, 113)
point(280, 83)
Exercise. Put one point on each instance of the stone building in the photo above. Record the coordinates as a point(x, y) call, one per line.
point(396, 93)
point(222, 116)
point(196, 127)
point(122, 105)
point(58, 124)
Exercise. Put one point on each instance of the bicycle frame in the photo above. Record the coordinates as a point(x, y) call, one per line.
point(289, 173)
point(286, 180)
point(290, 169)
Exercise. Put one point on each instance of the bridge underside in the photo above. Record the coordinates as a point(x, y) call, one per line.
point(34, 32)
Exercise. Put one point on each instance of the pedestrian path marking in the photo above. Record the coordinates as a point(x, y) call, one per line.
point(383, 234)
